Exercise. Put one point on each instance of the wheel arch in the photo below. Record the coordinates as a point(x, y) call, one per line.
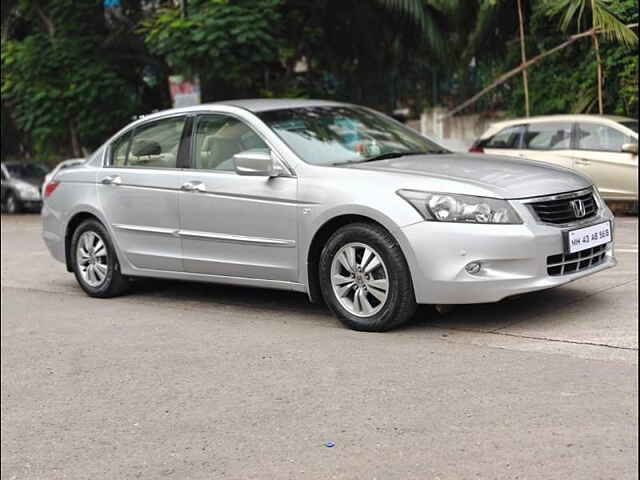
point(74, 222)
point(328, 228)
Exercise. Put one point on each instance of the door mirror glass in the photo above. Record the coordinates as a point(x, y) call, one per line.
point(630, 148)
point(256, 162)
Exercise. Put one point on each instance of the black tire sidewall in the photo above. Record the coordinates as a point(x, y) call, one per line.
point(16, 203)
point(113, 283)
point(400, 304)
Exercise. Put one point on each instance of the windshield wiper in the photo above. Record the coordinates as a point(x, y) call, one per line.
point(388, 155)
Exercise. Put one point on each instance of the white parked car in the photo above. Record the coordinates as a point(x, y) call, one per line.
point(605, 148)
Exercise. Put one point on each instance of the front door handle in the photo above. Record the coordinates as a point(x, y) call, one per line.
point(112, 180)
point(193, 186)
point(583, 163)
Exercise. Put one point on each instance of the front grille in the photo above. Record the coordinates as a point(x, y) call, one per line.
point(561, 211)
point(562, 264)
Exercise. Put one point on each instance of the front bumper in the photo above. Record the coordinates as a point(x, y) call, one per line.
point(513, 258)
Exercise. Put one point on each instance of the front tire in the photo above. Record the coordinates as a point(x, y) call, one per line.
point(94, 261)
point(12, 204)
point(365, 280)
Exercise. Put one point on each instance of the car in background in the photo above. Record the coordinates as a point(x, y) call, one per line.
point(72, 162)
point(605, 148)
point(21, 186)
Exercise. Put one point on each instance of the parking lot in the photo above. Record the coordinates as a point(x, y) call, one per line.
point(200, 381)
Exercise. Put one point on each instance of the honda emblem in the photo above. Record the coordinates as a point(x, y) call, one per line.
point(578, 208)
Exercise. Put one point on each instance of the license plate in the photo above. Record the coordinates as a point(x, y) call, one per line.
point(588, 237)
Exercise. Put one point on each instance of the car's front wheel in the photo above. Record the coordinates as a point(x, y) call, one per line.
point(94, 260)
point(12, 203)
point(365, 279)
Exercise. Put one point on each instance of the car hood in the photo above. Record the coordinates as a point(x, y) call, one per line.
point(507, 177)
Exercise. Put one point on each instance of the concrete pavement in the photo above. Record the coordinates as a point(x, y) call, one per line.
point(189, 381)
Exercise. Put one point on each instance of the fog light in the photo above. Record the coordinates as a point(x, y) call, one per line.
point(473, 267)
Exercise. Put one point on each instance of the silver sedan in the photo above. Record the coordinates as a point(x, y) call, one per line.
point(331, 199)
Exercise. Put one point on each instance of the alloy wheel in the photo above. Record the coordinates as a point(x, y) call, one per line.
point(92, 258)
point(359, 279)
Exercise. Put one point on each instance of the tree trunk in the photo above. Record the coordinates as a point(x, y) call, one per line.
point(596, 46)
point(523, 53)
point(75, 141)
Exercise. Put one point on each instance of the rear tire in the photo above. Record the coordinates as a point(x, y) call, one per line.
point(94, 261)
point(365, 280)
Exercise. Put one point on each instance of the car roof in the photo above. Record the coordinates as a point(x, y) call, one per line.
point(264, 104)
point(566, 118)
point(603, 119)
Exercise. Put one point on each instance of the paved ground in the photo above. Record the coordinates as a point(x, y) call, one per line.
point(190, 381)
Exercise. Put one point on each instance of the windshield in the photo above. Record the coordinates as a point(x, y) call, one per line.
point(26, 170)
point(336, 134)
point(632, 125)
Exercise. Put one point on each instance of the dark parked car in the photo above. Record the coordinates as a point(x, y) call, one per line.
point(21, 186)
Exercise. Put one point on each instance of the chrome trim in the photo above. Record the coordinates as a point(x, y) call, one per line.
point(139, 228)
point(223, 237)
point(558, 196)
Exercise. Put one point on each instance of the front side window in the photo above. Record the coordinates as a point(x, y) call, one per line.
point(592, 136)
point(344, 134)
point(152, 145)
point(548, 136)
point(218, 138)
point(507, 138)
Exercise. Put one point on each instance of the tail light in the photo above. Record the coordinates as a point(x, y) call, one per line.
point(476, 149)
point(50, 187)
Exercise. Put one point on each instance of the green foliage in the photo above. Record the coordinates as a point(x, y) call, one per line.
point(58, 84)
point(220, 39)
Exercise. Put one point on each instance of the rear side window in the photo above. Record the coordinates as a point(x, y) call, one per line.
point(152, 145)
point(592, 136)
point(506, 138)
point(548, 136)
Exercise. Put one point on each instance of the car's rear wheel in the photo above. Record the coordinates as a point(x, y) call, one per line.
point(94, 260)
point(365, 279)
point(12, 204)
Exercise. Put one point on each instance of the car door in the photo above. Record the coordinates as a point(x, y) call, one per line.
point(506, 142)
point(548, 142)
point(234, 225)
point(138, 193)
point(599, 155)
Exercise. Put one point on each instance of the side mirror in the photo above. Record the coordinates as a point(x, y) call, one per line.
point(630, 148)
point(256, 163)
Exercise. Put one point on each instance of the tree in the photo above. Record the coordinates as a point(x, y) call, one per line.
point(58, 80)
point(602, 18)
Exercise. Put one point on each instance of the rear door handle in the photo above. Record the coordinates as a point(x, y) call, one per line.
point(112, 180)
point(583, 163)
point(193, 186)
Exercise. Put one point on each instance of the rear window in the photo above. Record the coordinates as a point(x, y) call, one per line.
point(548, 136)
point(506, 138)
point(632, 125)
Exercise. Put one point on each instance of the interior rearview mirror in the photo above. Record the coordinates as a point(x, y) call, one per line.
point(630, 148)
point(256, 163)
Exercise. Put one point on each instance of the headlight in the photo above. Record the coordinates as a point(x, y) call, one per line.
point(448, 207)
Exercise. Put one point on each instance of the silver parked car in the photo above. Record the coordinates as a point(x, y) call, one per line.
point(330, 199)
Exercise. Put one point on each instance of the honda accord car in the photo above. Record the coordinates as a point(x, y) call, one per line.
point(334, 200)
